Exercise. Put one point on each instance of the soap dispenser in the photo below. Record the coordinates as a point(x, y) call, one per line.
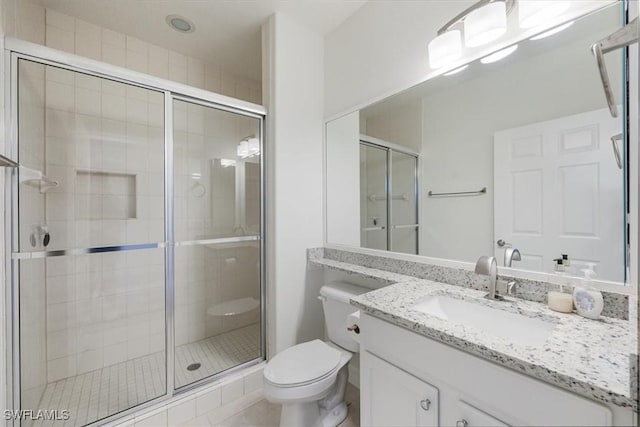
point(588, 300)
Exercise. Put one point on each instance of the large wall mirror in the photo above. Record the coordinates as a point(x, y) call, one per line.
point(501, 154)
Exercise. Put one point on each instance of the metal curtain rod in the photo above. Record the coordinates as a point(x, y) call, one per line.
point(459, 193)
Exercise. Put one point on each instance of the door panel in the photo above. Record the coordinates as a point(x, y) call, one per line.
point(392, 397)
point(559, 191)
point(404, 208)
point(373, 197)
point(90, 227)
point(217, 259)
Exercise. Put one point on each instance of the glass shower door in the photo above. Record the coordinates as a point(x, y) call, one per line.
point(373, 197)
point(404, 206)
point(217, 205)
point(88, 245)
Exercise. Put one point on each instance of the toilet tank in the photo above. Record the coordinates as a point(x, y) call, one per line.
point(335, 302)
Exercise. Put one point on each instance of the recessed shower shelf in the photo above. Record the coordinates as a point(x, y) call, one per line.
point(35, 178)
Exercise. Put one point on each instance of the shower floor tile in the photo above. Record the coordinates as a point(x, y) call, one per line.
point(217, 353)
point(97, 394)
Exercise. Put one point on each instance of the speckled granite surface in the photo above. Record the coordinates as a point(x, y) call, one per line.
point(615, 305)
point(591, 358)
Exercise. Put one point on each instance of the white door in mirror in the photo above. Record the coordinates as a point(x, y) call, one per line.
point(558, 191)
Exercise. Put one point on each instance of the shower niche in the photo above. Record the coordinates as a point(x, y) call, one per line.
point(105, 195)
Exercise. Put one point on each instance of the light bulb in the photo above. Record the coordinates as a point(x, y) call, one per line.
point(445, 49)
point(485, 24)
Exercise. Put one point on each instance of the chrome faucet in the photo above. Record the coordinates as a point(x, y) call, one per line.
point(511, 254)
point(488, 266)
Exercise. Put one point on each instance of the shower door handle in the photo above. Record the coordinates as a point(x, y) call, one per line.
point(621, 38)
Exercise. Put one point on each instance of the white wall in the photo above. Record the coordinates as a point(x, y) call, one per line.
point(382, 48)
point(294, 64)
point(403, 126)
point(343, 199)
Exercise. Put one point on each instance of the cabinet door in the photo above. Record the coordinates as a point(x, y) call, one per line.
point(392, 397)
point(470, 416)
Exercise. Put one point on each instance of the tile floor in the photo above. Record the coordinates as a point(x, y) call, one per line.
point(266, 414)
point(98, 394)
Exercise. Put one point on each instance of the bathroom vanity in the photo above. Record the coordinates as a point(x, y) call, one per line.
point(417, 369)
point(435, 351)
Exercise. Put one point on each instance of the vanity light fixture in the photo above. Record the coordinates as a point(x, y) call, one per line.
point(552, 31)
point(501, 54)
point(248, 147)
point(225, 163)
point(445, 49)
point(533, 13)
point(483, 22)
point(457, 70)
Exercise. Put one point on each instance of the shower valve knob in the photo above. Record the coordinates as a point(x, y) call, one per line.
point(40, 236)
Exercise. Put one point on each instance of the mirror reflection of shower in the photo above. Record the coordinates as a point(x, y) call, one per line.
point(388, 197)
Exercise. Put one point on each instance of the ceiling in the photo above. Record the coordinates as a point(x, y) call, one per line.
point(228, 32)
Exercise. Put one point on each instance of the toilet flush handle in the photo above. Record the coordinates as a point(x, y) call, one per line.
point(355, 328)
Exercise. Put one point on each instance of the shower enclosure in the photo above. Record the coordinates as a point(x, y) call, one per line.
point(135, 236)
point(388, 198)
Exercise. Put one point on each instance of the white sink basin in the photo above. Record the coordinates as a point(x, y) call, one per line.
point(513, 327)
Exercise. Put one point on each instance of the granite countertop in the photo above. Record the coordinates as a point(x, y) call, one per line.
point(587, 357)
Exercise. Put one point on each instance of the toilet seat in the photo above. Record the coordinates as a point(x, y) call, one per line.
point(302, 364)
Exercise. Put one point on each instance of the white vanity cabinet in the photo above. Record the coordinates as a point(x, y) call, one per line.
point(401, 371)
point(394, 397)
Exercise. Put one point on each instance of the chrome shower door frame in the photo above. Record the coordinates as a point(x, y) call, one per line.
point(390, 148)
point(16, 50)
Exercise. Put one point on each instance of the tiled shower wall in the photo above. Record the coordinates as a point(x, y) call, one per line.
point(47, 27)
point(88, 133)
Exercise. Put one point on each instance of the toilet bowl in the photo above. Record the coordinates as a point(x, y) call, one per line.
point(309, 379)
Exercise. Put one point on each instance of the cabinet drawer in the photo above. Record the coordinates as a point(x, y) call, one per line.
point(470, 416)
point(392, 397)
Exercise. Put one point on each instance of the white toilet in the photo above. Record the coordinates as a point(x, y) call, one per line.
point(310, 379)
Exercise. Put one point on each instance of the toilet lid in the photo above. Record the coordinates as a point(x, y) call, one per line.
point(302, 363)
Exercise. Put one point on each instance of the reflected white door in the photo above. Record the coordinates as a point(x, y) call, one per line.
point(558, 190)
